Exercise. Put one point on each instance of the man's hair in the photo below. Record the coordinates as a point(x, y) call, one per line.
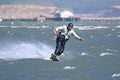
point(70, 24)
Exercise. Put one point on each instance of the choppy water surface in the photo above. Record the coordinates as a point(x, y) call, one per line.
point(25, 48)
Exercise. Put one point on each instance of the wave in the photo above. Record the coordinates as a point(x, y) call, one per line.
point(116, 75)
point(69, 67)
point(26, 51)
point(90, 27)
point(76, 27)
point(36, 27)
point(118, 35)
point(102, 54)
point(118, 26)
point(83, 54)
point(106, 54)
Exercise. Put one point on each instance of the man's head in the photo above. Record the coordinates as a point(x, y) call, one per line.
point(70, 26)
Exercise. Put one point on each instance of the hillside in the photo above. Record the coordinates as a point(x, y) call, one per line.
point(85, 8)
point(22, 11)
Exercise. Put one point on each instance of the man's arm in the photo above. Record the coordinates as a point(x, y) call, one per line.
point(56, 30)
point(78, 37)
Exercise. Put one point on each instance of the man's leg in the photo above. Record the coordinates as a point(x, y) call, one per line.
point(62, 47)
point(60, 44)
point(57, 50)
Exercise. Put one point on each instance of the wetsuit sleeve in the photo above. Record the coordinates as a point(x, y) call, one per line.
point(59, 28)
point(75, 35)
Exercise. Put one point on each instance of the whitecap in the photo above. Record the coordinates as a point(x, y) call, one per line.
point(100, 27)
point(15, 26)
point(118, 26)
point(84, 27)
point(118, 35)
point(83, 54)
point(1, 20)
point(112, 50)
point(106, 54)
point(113, 29)
point(3, 26)
point(36, 27)
point(116, 75)
point(69, 67)
point(45, 26)
point(91, 36)
point(89, 27)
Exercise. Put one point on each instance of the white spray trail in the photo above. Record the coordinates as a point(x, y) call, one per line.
point(26, 51)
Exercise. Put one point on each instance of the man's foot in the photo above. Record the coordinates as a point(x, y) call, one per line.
point(54, 57)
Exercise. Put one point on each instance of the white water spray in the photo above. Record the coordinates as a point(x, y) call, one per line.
point(26, 51)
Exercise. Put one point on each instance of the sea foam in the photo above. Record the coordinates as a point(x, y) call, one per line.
point(69, 67)
point(116, 75)
point(90, 27)
point(26, 51)
point(106, 54)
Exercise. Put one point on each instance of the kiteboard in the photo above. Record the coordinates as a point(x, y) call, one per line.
point(54, 58)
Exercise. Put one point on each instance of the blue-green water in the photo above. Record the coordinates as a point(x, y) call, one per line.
point(25, 48)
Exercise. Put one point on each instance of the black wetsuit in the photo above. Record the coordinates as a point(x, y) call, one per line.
point(62, 38)
point(60, 44)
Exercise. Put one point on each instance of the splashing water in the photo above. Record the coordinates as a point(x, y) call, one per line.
point(26, 50)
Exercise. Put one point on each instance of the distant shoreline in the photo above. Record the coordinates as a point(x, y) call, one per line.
point(27, 12)
point(68, 19)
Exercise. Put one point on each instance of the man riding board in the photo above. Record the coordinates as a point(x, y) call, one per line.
point(64, 33)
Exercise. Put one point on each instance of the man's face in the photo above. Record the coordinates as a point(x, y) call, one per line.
point(70, 28)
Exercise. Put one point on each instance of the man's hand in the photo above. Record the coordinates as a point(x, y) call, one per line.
point(81, 39)
point(54, 36)
point(54, 33)
point(53, 39)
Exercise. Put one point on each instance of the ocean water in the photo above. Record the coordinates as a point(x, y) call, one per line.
point(25, 48)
